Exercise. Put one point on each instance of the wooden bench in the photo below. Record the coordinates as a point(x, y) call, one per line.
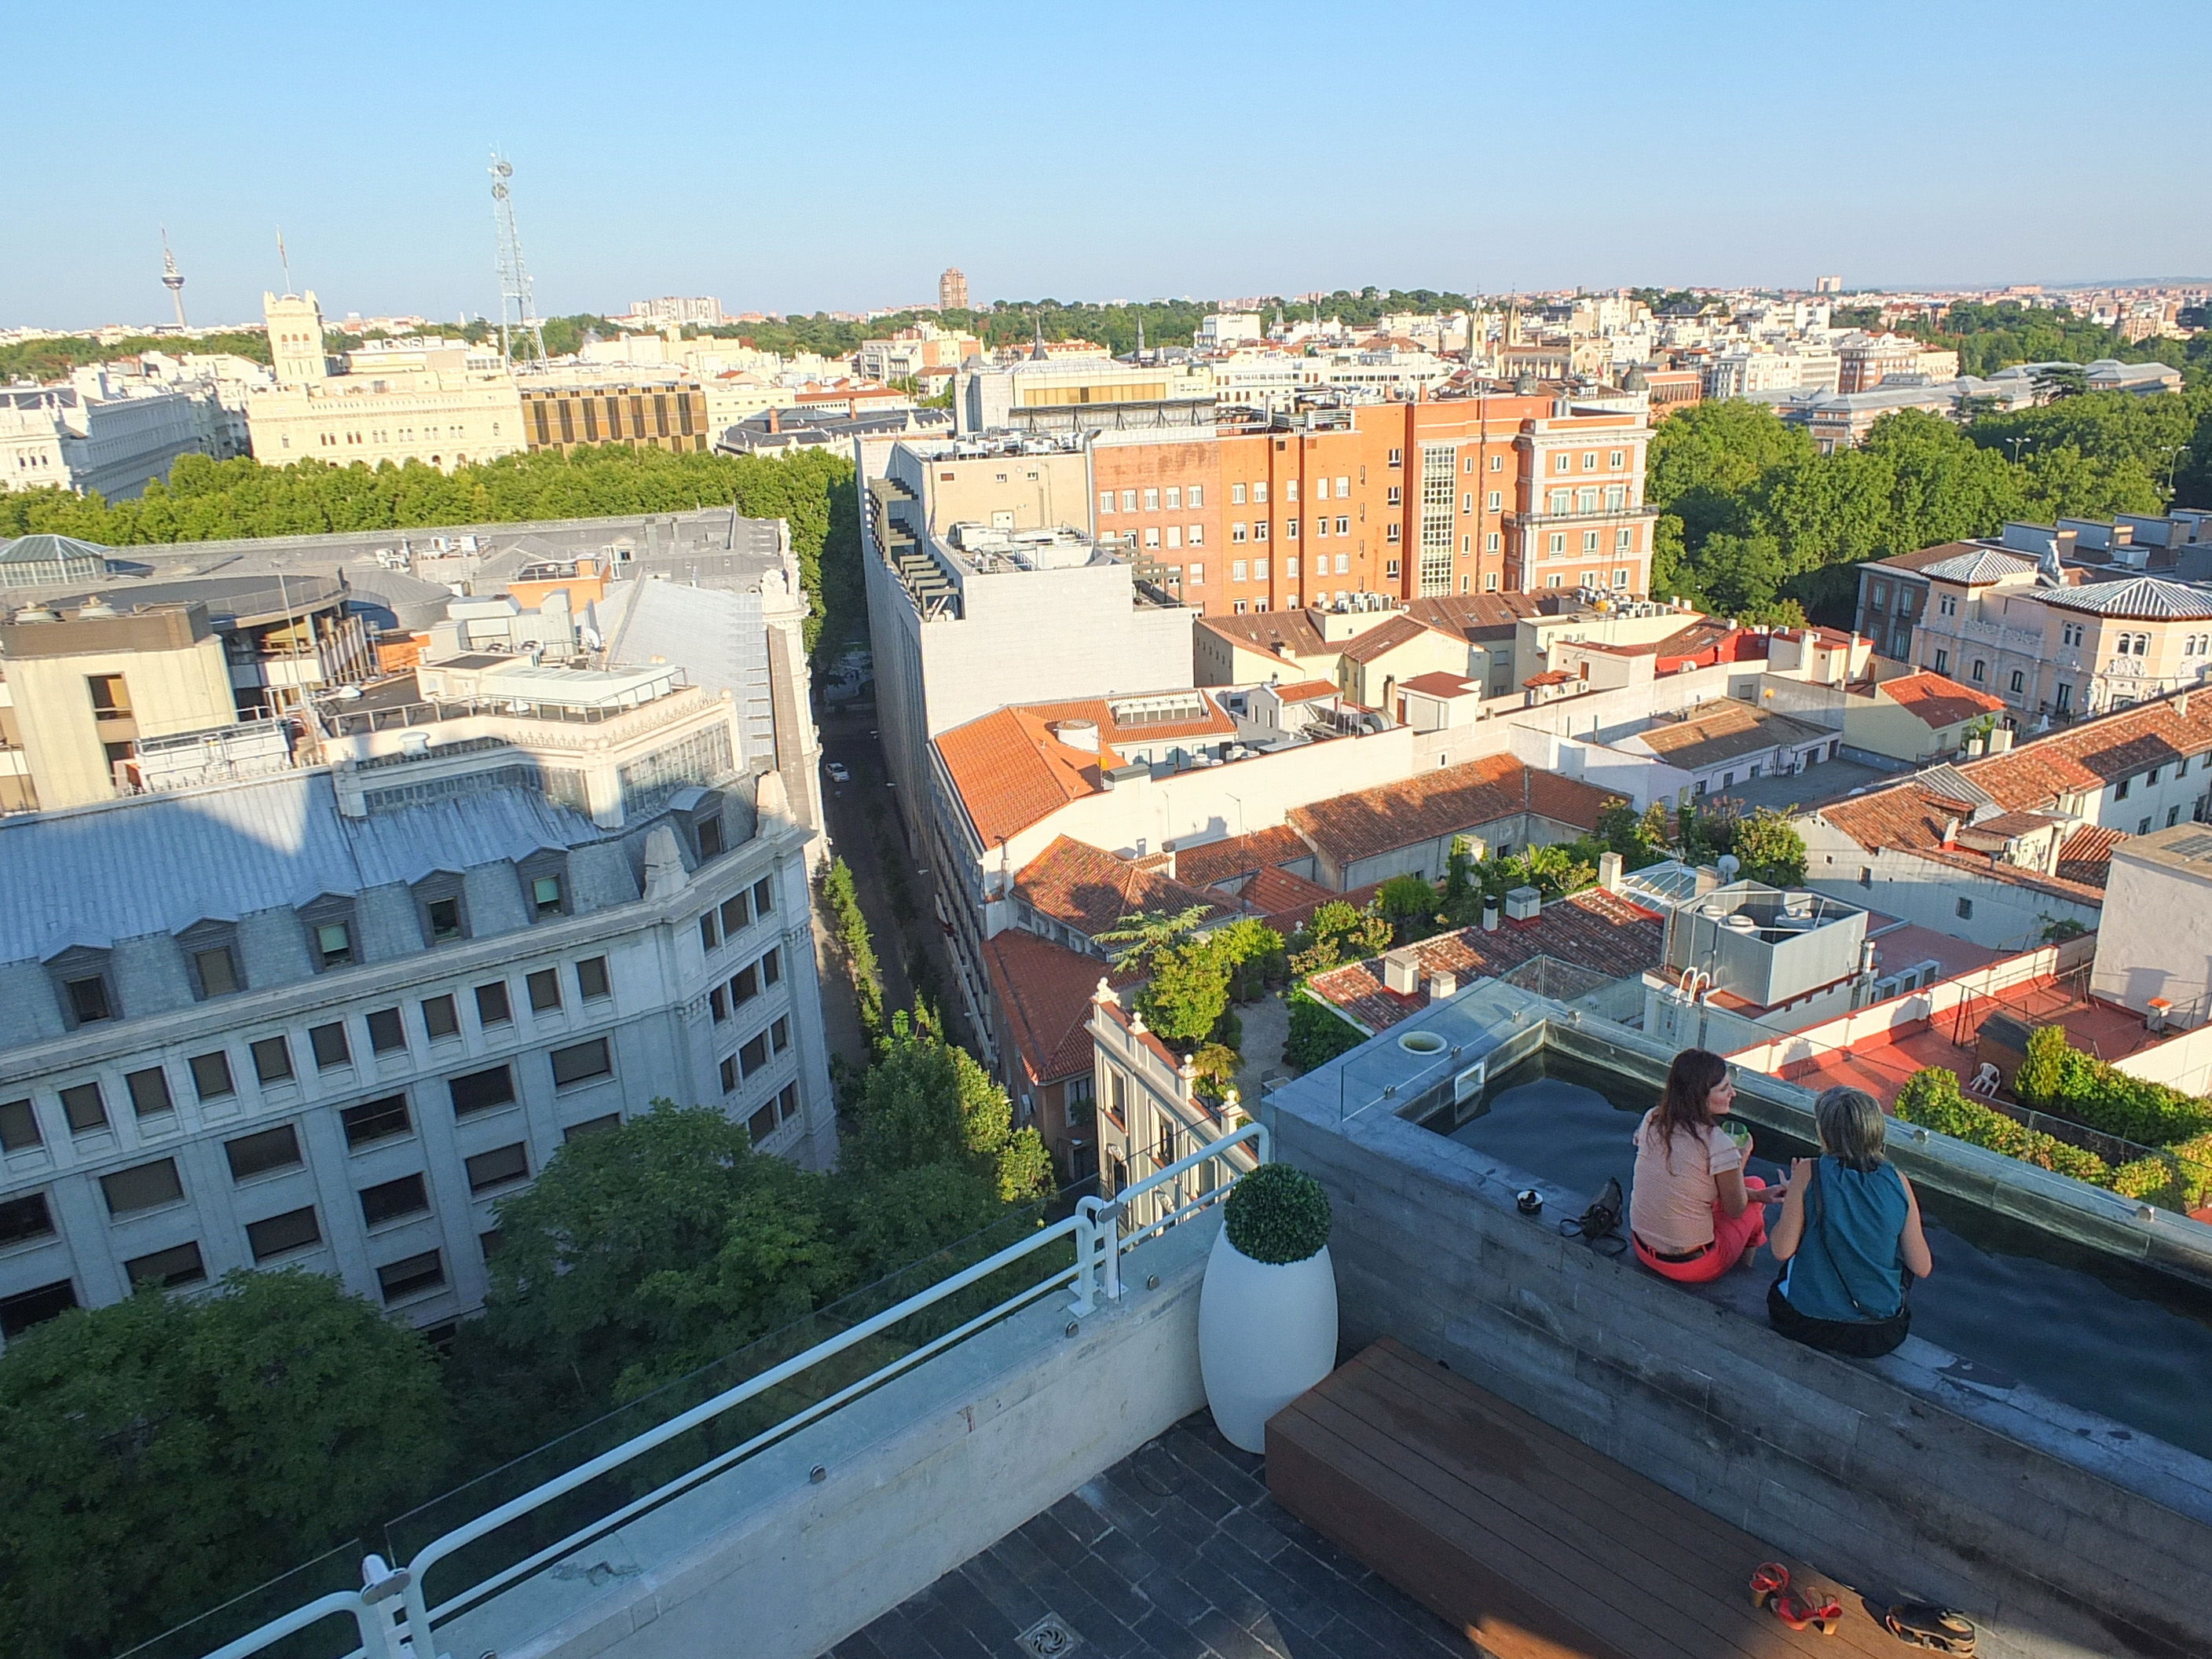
point(1531, 1543)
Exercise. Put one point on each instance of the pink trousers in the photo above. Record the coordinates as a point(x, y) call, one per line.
point(1732, 1236)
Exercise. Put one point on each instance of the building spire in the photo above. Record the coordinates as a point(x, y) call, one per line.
point(172, 278)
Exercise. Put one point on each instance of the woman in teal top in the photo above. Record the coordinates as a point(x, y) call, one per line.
point(1848, 1235)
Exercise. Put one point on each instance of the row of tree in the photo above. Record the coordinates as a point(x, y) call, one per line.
point(207, 500)
point(1756, 524)
point(164, 1453)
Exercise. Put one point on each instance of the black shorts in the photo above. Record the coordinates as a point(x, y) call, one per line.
point(1854, 1339)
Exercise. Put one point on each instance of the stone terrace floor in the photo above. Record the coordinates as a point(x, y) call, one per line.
point(1176, 1552)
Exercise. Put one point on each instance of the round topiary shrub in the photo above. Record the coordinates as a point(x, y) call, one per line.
point(1277, 1214)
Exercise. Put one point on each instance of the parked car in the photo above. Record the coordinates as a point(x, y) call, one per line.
point(837, 772)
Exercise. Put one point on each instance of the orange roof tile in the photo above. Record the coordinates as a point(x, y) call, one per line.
point(1378, 642)
point(1439, 684)
point(1093, 890)
point(1937, 701)
point(1278, 892)
point(1044, 990)
point(1441, 803)
point(1239, 856)
point(2097, 752)
point(1306, 691)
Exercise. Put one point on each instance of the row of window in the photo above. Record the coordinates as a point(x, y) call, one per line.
point(736, 913)
point(755, 1053)
point(1171, 499)
point(748, 982)
point(84, 1105)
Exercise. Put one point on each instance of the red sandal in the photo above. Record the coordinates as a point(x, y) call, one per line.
point(1768, 1580)
point(1798, 1611)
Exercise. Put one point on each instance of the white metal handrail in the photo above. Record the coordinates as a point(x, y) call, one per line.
point(1096, 1229)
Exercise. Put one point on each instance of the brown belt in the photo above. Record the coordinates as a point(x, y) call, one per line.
point(1675, 1259)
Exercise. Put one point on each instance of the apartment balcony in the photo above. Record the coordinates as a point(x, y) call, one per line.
point(1030, 1463)
point(1601, 515)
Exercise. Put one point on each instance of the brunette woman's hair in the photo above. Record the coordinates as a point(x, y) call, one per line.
point(1695, 1073)
point(1852, 1128)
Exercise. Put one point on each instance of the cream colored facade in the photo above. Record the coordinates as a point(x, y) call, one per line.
point(445, 417)
point(1004, 491)
point(80, 692)
point(741, 397)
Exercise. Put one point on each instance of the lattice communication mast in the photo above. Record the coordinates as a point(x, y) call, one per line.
point(521, 342)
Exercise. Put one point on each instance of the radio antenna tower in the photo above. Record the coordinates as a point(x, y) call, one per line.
point(521, 342)
point(172, 278)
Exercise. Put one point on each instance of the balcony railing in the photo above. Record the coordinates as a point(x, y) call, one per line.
point(1594, 516)
point(394, 1608)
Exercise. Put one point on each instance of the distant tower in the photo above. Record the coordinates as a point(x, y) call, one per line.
point(295, 338)
point(172, 278)
point(521, 342)
point(952, 289)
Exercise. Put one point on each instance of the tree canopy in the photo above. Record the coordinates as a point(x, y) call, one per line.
point(162, 1455)
point(51, 357)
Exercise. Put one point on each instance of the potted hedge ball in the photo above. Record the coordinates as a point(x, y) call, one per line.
point(1266, 1314)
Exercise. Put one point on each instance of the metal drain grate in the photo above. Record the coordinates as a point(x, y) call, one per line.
point(1049, 1638)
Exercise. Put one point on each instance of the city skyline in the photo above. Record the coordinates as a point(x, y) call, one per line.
point(1701, 154)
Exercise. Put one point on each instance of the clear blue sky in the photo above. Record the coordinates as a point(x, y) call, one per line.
point(818, 154)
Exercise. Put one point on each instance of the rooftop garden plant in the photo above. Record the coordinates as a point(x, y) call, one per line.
point(1277, 1214)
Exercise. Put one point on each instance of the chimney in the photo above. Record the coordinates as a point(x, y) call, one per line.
point(1524, 906)
point(1442, 984)
point(1401, 973)
point(1608, 871)
point(1950, 832)
point(2000, 740)
point(2181, 706)
point(1489, 915)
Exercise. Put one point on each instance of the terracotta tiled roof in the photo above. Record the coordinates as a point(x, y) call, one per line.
point(1378, 642)
point(1045, 991)
point(1011, 771)
point(1276, 892)
point(1908, 817)
point(1306, 691)
point(1478, 618)
point(2096, 752)
point(1591, 929)
point(1442, 803)
point(1239, 856)
point(2086, 855)
point(1288, 921)
point(1264, 630)
point(1092, 890)
point(1732, 731)
point(1937, 701)
point(1549, 677)
point(1439, 684)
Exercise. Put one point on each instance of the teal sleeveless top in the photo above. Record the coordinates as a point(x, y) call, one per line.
point(1853, 1221)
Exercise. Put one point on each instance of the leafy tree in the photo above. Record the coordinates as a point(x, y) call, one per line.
point(1338, 932)
point(1215, 1065)
point(1255, 954)
point(1655, 832)
point(1146, 934)
point(927, 1102)
point(1188, 994)
point(53, 357)
point(644, 1252)
point(856, 944)
point(1771, 849)
point(1318, 1033)
point(2057, 380)
point(160, 1453)
point(1410, 904)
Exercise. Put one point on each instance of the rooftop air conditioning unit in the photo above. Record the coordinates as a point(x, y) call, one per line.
point(1523, 904)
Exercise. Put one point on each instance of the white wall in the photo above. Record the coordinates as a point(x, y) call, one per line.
point(2155, 939)
point(2006, 915)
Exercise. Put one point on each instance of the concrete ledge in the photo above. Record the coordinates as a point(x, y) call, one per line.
point(2063, 1534)
point(922, 1473)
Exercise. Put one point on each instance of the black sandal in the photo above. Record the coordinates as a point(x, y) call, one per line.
point(1926, 1624)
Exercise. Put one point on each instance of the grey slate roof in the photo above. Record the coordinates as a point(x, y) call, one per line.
point(2149, 599)
point(1985, 565)
point(81, 878)
point(716, 632)
point(45, 549)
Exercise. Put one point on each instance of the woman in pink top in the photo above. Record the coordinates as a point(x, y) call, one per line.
point(1693, 1213)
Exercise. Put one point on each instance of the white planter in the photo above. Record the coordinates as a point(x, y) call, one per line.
point(1266, 1332)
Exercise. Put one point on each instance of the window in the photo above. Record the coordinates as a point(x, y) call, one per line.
point(145, 1187)
point(333, 944)
point(442, 1018)
point(1965, 909)
point(736, 912)
point(710, 931)
point(1237, 532)
point(393, 1201)
point(1196, 535)
point(745, 986)
point(1195, 574)
point(2018, 682)
point(1948, 605)
point(591, 978)
point(26, 1308)
point(729, 1073)
point(544, 988)
point(718, 1004)
point(386, 1034)
point(762, 1124)
point(1560, 463)
point(376, 1120)
point(787, 1101)
point(492, 1005)
point(216, 970)
point(257, 1154)
point(84, 1109)
point(763, 895)
point(295, 1230)
point(2121, 793)
point(22, 1219)
point(1239, 570)
point(330, 1046)
point(1128, 500)
point(1558, 544)
point(708, 830)
point(779, 1034)
point(411, 1275)
point(110, 697)
point(1237, 495)
point(1260, 529)
point(1152, 536)
point(498, 1168)
point(1152, 501)
point(19, 1126)
point(150, 1091)
point(179, 1264)
point(272, 1059)
point(546, 898)
point(442, 920)
point(481, 1092)
point(582, 1063)
point(1105, 500)
point(1195, 497)
point(488, 1242)
point(211, 1078)
point(1979, 671)
point(754, 1054)
point(1397, 457)
point(771, 966)
point(1259, 491)
point(1942, 662)
point(1616, 460)
point(85, 1000)
point(1390, 566)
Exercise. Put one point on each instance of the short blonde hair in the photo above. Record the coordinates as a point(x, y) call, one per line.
point(1852, 1127)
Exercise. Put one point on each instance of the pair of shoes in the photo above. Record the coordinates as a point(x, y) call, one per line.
point(1800, 1610)
point(1931, 1626)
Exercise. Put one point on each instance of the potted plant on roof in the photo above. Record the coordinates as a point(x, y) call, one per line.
point(1266, 1314)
